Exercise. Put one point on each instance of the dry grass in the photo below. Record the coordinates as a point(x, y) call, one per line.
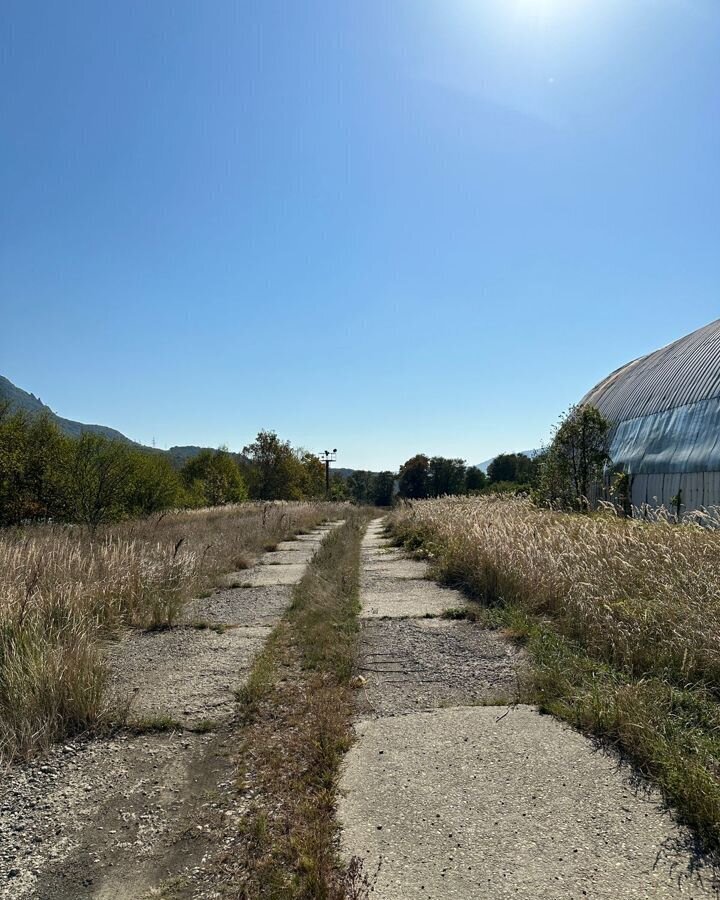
point(61, 591)
point(621, 617)
point(298, 706)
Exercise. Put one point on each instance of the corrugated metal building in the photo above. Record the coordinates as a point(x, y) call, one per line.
point(665, 408)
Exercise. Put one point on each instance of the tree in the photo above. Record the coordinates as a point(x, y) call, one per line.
point(414, 477)
point(98, 480)
point(46, 462)
point(513, 468)
point(273, 468)
point(361, 486)
point(311, 480)
point(338, 488)
point(475, 479)
point(155, 485)
point(446, 476)
point(214, 475)
point(576, 458)
point(503, 467)
point(383, 488)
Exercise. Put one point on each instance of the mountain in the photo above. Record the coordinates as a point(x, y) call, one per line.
point(21, 401)
point(180, 455)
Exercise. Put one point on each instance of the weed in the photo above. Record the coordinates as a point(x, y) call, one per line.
point(153, 724)
point(203, 726)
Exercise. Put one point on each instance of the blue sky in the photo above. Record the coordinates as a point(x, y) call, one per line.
point(387, 227)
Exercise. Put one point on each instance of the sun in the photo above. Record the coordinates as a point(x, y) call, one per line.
point(545, 9)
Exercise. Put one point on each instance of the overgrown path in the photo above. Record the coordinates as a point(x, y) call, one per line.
point(134, 815)
point(451, 798)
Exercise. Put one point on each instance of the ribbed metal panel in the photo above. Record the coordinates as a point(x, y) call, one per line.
point(665, 410)
point(684, 372)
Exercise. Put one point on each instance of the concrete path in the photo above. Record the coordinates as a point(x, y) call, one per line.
point(117, 819)
point(457, 800)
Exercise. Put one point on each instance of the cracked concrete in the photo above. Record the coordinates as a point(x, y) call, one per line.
point(484, 802)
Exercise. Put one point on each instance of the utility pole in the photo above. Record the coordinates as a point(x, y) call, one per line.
point(328, 456)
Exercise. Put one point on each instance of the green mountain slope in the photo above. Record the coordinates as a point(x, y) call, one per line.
point(21, 401)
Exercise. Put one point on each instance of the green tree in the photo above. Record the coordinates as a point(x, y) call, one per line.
point(273, 468)
point(47, 458)
point(576, 458)
point(13, 450)
point(475, 479)
point(215, 476)
point(33, 461)
point(361, 486)
point(503, 468)
point(311, 481)
point(414, 477)
point(446, 476)
point(338, 488)
point(513, 468)
point(99, 479)
point(383, 488)
point(154, 484)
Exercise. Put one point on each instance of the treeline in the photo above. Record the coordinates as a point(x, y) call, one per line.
point(424, 476)
point(573, 472)
point(373, 488)
point(437, 476)
point(47, 476)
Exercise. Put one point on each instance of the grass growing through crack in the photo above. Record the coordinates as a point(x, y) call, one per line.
point(621, 619)
point(298, 705)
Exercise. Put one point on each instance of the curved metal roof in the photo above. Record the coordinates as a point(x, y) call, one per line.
point(686, 371)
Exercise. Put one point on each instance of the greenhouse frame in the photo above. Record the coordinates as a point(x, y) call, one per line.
point(665, 410)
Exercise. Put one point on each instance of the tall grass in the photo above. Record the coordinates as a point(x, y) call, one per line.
point(622, 619)
point(62, 590)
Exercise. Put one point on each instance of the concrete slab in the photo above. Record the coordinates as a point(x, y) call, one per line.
point(287, 557)
point(487, 803)
point(415, 664)
point(292, 546)
point(267, 575)
point(193, 672)
point(403, 598)
point(396, 566)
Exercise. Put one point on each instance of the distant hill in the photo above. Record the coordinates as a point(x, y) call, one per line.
point(180, 455)
point(22, 401)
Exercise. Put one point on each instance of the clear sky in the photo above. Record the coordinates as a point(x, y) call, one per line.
point(387, 226)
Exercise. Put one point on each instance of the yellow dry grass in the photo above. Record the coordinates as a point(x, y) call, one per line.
point(61, 590)
point(621, 619)
point(642, 596)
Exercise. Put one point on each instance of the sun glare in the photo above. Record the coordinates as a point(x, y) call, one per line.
point(545, 9)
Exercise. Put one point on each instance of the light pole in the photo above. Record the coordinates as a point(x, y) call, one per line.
point(328, 456)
